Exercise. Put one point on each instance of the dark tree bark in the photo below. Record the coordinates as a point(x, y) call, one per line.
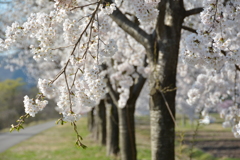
point(163, 62)
point(112, 127)
point(99, 131)
point(128, 149)
point(90, 117)
point(126, 120)
point(127, 132)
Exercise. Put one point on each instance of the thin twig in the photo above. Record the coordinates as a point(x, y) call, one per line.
point(189, 29)
point(98, 44)
point(89, 40)
point(69, 92)
point(168, 107)
point(84, 6)
point(76, 44)
point(79, 138)
point(193, 11)
point(75, 75)
point(62, 47)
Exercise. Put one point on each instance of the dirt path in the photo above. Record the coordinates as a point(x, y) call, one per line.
point(8, 140)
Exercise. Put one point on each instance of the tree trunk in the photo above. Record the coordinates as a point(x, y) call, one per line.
point(128, 149)
point(127, 132)
point(162, 126)
point(126, 119)
point(100, 123)
point(162, 48)
point(90, 117)
point(112, 128)
point(163, 62)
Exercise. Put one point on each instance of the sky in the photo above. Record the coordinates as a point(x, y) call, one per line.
point(6, 73)
point(3, 5)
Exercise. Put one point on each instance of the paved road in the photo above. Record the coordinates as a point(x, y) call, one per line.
point(8, 140)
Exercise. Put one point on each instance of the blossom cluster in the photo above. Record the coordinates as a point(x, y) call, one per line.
point(108, 8)
point(65, 4)
point(210, 91)
point(236, 130)
point(78, 86)
point(126, 82)
point(71, 30)
point(77, 61)
point(145, 11)
point(215, 49)
point(32, 106)
point(214, 46)
point(88, 90)
point(46, 88)
point(110, 49)
point(39, 26)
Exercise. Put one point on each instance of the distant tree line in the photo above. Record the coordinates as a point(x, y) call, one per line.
point(11, 102)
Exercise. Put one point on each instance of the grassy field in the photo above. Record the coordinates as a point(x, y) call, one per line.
point(57, 143)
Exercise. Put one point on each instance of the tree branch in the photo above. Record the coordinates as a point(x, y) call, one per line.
point(189, 29)
point(193, 11)
point(237, 67)
point(161, 17)
point(114, 96)
point(136, 89)
point(131, 28)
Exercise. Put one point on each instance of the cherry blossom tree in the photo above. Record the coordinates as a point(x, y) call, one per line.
point(215, 49)
point(71, 41)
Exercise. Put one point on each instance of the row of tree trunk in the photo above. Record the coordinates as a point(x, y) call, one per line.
point(103, 124)
point(162, 49)
point(114, 127)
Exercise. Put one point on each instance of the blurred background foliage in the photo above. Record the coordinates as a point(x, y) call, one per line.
point(12, 92)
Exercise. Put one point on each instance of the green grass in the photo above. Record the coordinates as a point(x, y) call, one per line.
point(212, 130)
point(57, 143)
point(190, 126)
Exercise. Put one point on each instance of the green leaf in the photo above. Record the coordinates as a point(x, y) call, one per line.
point(11, 129)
